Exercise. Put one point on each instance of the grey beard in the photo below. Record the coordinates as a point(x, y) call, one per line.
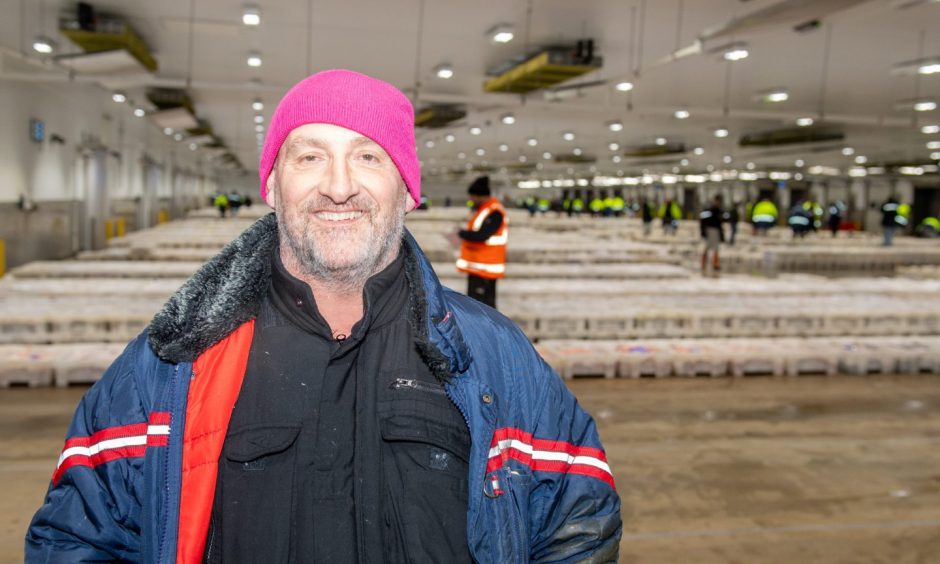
point(352, 278)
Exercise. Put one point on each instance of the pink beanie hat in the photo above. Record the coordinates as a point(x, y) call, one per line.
point(355, 101)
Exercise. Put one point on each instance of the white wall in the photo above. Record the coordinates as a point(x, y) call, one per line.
point(84, 115)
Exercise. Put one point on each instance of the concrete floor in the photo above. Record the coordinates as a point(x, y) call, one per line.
point(750, 470)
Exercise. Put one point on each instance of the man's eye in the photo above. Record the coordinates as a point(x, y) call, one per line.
point(370, 157)
point(310, 158)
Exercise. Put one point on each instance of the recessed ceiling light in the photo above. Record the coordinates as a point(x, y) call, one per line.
point(508, 119)
point(461, 155)
point(480, 152)
point(684, 162)
point(935, 156)
point(43, 45)
point(930, 129)
point(532, 141)
point(449, 138)
point(429, 144)
point(798, 163)
point(750, 166)
point(577, 151)
point(721, 132)
point(929, 68)
point(503, 147)
point(925, 106)
point(522, 158)
point(848, 151)
point(475, 130)
point(251, 15)
point(661, 141)
point(613, 146)
point(193, 146)
point(568, 136)
point(254, 59)
point(861, 159)
point(933, 145)
point(259, 119)
point(500, 33)
point(616, 158)
point(805, 121)
point(444, 71)
point(615, 125)
point(726, 159)
point(681, 114)
point(119, 97)
point(178, 136)
point(775, 96)
point(168, 131)
point(257, 105)
point(624, 86)
point(699, 151)
point(735, 53)
point(546, 155)
point(139, 112)
point(259, 128)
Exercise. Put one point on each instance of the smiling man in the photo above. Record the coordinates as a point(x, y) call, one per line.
point(313, 394)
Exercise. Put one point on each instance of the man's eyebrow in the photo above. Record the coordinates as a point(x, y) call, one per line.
point(316, 142)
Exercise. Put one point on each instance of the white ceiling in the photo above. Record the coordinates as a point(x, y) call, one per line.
point(394, 41)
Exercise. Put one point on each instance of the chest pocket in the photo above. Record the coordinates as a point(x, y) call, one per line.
point(428, 450)
point(256, 493)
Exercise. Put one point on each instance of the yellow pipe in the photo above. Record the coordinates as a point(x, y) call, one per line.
point(120, 227)
point(108, 229)
point(163, 216)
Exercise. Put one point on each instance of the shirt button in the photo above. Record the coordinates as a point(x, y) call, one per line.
point(299, 302)
point(487, 398)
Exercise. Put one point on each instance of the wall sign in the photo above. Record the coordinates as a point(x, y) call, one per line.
point(37, 130)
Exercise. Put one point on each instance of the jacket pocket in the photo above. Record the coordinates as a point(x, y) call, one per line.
point(257, 473)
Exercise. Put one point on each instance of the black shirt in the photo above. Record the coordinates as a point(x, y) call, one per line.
point(329, 437)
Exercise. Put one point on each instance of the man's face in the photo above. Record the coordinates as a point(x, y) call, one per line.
point(340, 203)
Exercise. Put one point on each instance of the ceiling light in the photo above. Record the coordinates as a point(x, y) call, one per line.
point(500, 33)
point(613, 146)
point(616, 158)
point(798, 163)
point(193, 146)
point(568, 136)
point(848, 151)
point(44, 45)
point(461, 155)
point(119, 97)
point(721, 132)
point(805, 121)
point(480, 152)
point(475, 130)
point(699, 151)
point(925, 106)
point(259, 128)
point(139, 112)
point(251, 15)
point(168, 131)
point(259, 119)
point(726, 159)
point(933, 145)
point(660, 141)
point(178, 136)
point(624, 86)
point(508, 119)
point(449, 138)
point(858, 172)
point(444, 71)
point(429, 144)
point(532, 141)
point(547, 156)
point(935, 156)
point(522, 158)
point(257, 105)
point(615, 125)
point(577, 151)
point(774, 96)
point(503, 147)
point(750, 166)
point(684, 162)
point(930, 129)
point(735, 53)
point(861, 159)
point(254, 59)
point(929, 68)
point(682, 114)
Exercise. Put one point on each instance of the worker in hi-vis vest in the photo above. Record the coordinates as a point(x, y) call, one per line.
point(483, 243)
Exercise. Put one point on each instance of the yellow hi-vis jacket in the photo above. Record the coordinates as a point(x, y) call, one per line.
point(486, 259)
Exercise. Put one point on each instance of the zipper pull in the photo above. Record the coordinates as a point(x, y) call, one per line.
point(399, 383)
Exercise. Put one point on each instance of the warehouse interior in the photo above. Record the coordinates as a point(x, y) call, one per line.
point(783, 406)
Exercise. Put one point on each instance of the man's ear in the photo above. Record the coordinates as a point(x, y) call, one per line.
point(410, 202)
point(270, 195)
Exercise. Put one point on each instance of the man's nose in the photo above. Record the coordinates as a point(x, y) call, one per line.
point(340, 185)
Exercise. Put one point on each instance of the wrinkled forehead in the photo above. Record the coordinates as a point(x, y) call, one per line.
point(325, 136)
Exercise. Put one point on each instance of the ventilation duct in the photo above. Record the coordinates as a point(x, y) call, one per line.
point(97, 34)
point(439, 115)
point(789, 136)
point(545, 68)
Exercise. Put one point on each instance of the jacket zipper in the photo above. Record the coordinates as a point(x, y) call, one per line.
point(161, 549)
point(410, 383)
